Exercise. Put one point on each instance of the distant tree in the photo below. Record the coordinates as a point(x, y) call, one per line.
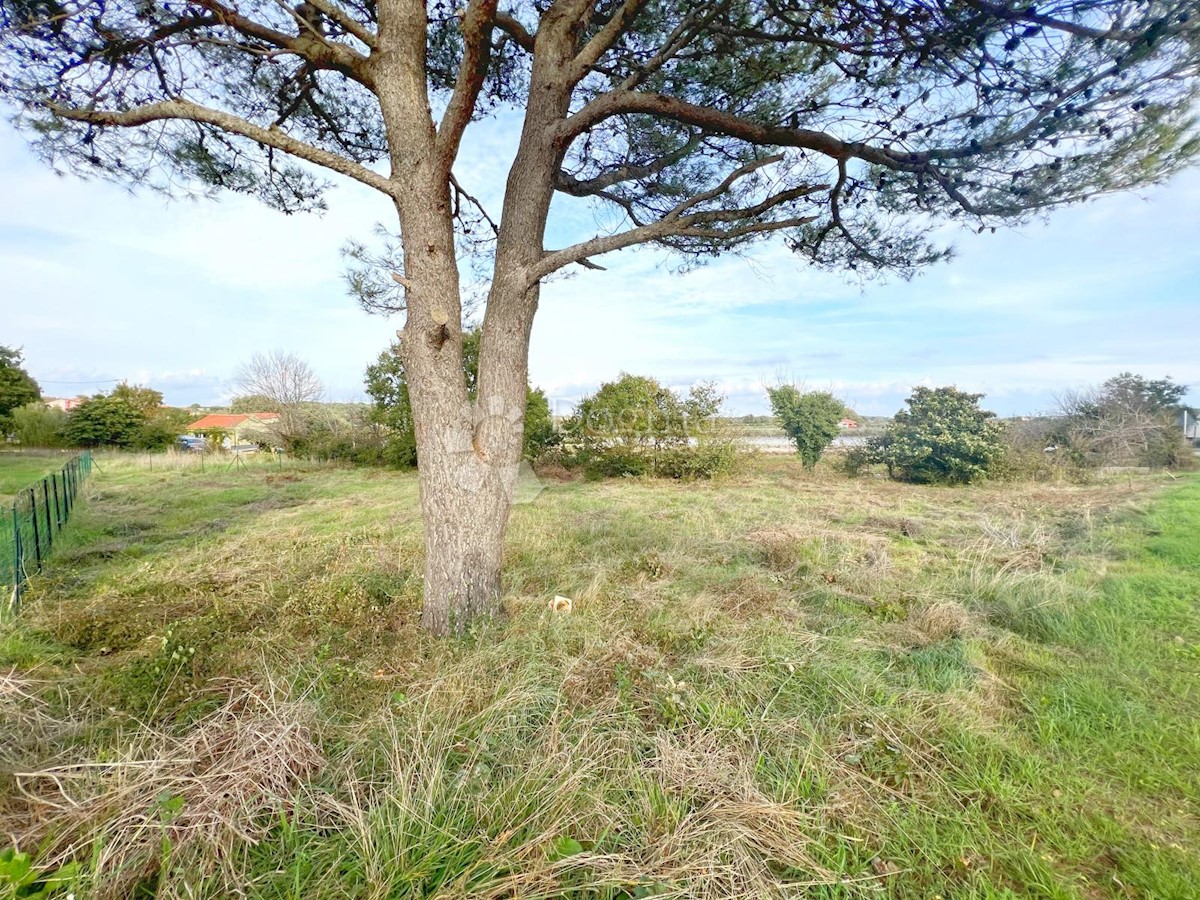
point(943, 437)
point(810, 418)
point(38, 425)
point(145, 400)
point(540, 432)
point(253, 403)
point(392, 408)
point(636, 426)
point(281, 378)
point(1158, 395)
point(17, 387)
point(289, 383)
point(104, 421)
point(1128, 420)
point(635, 412)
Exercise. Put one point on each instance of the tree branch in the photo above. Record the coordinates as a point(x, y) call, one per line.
point(309, 45)
point(508, 23)
point(346, 21)
point(663, 228)
point(679, 223)
point(1030, 14)
point(578, 187)
point(270, 137)
point(477, 36)
point(707, 118)
point(603, 40)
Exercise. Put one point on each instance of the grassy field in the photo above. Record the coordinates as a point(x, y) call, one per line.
point(20, 470)
point(778, 685)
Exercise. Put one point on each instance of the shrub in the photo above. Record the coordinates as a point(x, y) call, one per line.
point(36, 425)
point(636, 426)
point(943, 436)
point(104, 421)
point(17, 387)
point(809, 419)
point(707, 459)
point(1128, 420)
point(614, 463)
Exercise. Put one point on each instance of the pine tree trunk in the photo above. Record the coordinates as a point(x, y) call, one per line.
point(468, 450)
point(465, 504)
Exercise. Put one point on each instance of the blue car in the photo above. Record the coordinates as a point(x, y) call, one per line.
point(190, 444)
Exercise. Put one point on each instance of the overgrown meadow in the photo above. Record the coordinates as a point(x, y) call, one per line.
point(775, 684)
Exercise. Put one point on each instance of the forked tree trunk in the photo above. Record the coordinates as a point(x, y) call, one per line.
point(468, 452)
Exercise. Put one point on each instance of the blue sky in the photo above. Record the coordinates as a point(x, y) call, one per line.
point(101, 284)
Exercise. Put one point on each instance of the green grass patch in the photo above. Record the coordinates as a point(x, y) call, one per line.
point(19, 470)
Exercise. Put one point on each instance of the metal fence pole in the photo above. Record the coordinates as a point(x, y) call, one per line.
point(49, 524)
point(58, 513)
point(18, 562)
point(37, 538)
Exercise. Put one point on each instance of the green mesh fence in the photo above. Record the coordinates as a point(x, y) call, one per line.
point(34, 521)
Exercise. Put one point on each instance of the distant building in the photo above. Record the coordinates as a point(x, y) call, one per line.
point(66, 404)
point(847, 423)
point(244, 428)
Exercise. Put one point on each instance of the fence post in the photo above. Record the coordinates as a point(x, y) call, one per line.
point(58, 512)
point(18, 562)
point(37, 538)
point(49, 524)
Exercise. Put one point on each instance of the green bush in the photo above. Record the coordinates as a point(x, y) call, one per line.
point(615, 463)
point(943, 437)
point(17, 387)
point(36, 425)
point(104, 421)
point(810, 419)
point(636, 426)
point(707, 459)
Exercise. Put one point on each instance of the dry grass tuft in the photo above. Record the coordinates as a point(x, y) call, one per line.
point(940, 621)
point(25, 719)
point(782, 548)
point(733, 838)
point(188, 800)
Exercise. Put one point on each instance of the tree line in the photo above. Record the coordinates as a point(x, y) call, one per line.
point(127, 417)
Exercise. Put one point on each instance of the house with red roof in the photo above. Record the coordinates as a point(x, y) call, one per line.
point(238, 428)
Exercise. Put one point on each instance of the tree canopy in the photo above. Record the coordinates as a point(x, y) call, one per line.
point(809, 418)
point(145, 400)
point(17, 386)
point(104, 420)
point(849, 126)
